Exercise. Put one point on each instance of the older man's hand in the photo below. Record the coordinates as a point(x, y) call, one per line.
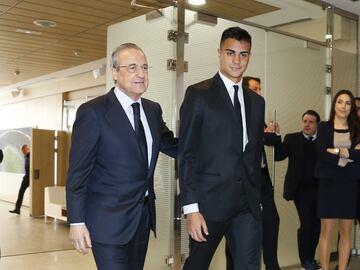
point(80, 238)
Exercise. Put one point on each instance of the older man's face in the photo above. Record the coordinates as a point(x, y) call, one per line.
point(132, 81)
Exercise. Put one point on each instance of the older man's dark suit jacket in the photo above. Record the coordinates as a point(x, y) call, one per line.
point(212, 165)
point(292, 148)
point(107, 177)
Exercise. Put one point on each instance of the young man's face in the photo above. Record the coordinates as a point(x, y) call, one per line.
point(234, 57)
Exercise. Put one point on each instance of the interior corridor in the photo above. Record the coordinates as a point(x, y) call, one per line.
point(31, 244)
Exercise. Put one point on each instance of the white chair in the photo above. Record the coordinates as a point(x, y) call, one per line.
point(55, 203)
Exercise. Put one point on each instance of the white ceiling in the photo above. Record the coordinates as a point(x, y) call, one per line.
point(92, 39)
point(348, 5)
point(294, 10)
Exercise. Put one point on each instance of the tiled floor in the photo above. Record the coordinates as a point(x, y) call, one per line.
point(31, 244)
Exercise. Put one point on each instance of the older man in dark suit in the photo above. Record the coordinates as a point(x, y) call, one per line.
point(115, 145)
point(221, 130)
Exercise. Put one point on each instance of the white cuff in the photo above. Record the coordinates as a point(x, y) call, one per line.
point(190, 208)
point(77, 224)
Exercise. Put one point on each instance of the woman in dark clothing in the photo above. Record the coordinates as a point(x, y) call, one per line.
point(338, 170)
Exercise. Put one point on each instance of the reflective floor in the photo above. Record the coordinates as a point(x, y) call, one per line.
point(31, 244)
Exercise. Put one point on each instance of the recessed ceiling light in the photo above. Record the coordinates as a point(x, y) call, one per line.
point(29, 32)
point(44, 23)
point(197, 2)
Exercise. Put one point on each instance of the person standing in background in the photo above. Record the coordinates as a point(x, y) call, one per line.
point(25, 182)
point(270, 215)
point(338, 169)
point(301, 185)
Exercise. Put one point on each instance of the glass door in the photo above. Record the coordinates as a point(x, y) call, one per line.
point(152, 36)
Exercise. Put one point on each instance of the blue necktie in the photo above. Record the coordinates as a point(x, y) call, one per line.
point(139, 131)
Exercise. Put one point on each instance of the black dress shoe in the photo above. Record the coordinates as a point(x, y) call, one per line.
point(15, 211)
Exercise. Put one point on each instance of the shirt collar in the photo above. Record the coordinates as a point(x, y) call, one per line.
point(229, 83)
point(313, 136)
point(124, 100)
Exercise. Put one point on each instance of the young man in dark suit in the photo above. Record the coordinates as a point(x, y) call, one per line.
point(220, 145)
point(116, 141)
point(301, 186)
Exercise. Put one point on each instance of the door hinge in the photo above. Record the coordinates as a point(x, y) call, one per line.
point(171, 65)
point(173, 36)
point(169, 260)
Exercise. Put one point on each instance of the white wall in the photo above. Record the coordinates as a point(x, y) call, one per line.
point(40, 105)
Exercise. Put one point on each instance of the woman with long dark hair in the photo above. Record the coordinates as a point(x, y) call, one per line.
point(338, 170)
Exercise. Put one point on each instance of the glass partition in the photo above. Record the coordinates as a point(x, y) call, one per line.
point(151, 36)
point(295, 82)
point(345, 57)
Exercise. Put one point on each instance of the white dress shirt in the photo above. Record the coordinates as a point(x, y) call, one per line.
point(126, 103)
point(313, 136)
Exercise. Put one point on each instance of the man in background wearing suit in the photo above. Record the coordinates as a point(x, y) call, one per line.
point(270, 215)
point(301, 186)
point(116, 141)
point(26, 179)
point(220, 144)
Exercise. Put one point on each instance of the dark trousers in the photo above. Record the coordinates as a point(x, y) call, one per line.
point(308, 234)
point(270, 227)
point(243, 236)
point(125, 257)
point(270, 223)
point(23, 187)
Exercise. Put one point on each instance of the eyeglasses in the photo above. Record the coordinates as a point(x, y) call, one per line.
point(133, 68)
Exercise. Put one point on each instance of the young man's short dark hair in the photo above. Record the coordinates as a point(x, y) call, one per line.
point(235, 33)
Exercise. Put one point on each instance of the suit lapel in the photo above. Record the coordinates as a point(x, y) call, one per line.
point(223, 92)
point(300, 146)
point(248, 105)
point(118, 120)
point(152, 122)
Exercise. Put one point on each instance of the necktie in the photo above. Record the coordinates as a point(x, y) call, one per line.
point(237, 105)
point(139, 131)
point(237, 108)
point(310, 138)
